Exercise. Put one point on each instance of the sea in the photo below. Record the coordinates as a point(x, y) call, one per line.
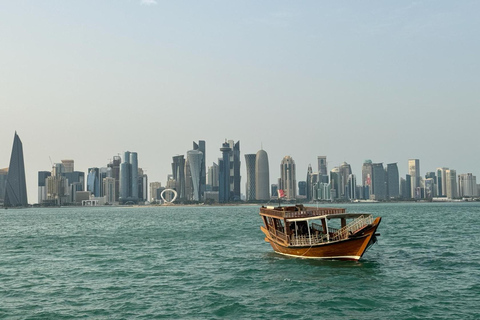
point(204, 262)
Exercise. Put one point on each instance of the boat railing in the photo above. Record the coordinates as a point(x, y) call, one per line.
point(306, 240)
point(309, 212)
point(277, 234)
point(352, 227)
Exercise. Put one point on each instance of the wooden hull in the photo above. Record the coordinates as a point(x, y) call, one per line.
point(348, 249)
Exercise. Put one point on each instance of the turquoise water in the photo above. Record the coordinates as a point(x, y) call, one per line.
point(212, 263)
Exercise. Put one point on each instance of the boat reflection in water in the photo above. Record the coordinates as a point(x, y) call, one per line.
point(318, 233)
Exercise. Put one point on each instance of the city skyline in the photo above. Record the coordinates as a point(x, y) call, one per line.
point(343, 176)
point(350, 81)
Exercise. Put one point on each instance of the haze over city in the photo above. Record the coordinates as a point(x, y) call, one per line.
point(350, 81)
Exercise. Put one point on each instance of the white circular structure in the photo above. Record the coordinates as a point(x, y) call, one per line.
point(174, 195)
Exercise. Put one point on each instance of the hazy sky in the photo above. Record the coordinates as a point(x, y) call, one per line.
point(352, 80)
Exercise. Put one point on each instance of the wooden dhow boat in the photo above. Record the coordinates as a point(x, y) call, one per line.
point(318, 233)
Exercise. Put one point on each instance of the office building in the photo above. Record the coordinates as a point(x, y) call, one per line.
point(3, 183)
point(344, 172)
point(109, 190)
point(302, 188)
point(68, 166)
point(224, 174)
point(250, 191)
point(309, 182)
point(200, 146)
point(467, 185)
point(114, 172)
point(379, 191)
point(262, 176)
point(367, 178)
point(154, 196)
point(213, 178)
point(322, 165)
point(414, 172)
point(195, 158)
point(235, 170)
point(441, 183)
point(129, 178)
point(93, 182)
point(393, 183)
point(451, 183)
point(16, 186)
point(288, 181)
point(178, 174)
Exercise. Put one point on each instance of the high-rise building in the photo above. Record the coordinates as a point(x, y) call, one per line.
point(68, 166)
point(114, 172)
point(322, 165)
point(195, 158)
point(42, 185)
point(451, 187)
point(378, 185)
point(414, 172)
point(3, 183)
point(142, 183)
point(393, 183)
point(224, 174)
point(288, 181)
point(441, 183)
point(467, 185)
point(335, 184)
point(274, 190)
point(250, 191)
point(129, 178)
point(262, 176)
point(352, 187)
point(93, 181)
point(344, 171)
point(213, 179)
point(302, 188)
point(109, 189)
point(178, 174)
point(200, 146)
point(16, 186)
point(154, 186)
point(367, 178)
point(235, 170)
point(309, 182)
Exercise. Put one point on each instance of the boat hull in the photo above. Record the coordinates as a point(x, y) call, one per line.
point(348, 249)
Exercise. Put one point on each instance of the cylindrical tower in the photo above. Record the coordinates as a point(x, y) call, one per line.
point(262, 176)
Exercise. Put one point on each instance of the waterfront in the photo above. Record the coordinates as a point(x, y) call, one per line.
point(212, 262)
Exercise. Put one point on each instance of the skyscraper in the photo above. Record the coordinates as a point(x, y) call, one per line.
point(344, 171)
point(200, 146)
point(467, 185)
point(322, 165)
point(451, 183)
point(16, 186)
point(178, 173)
point(224, 174)
point(235, 170)
point(288, 178)
point(378, 184)
point(393, 183)
point(213, 179)
point(129, 178)
point(441, 182)
point(262, 176)
point(195, 158)
point(250, 160)
point(309, 182)
point(367, 178)
point(414, 172)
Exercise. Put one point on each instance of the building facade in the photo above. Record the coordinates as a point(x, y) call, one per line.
point(262, 176)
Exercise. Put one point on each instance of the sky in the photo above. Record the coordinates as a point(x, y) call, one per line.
point(350, 80)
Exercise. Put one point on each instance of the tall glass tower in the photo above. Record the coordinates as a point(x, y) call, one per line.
point(16, 186)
